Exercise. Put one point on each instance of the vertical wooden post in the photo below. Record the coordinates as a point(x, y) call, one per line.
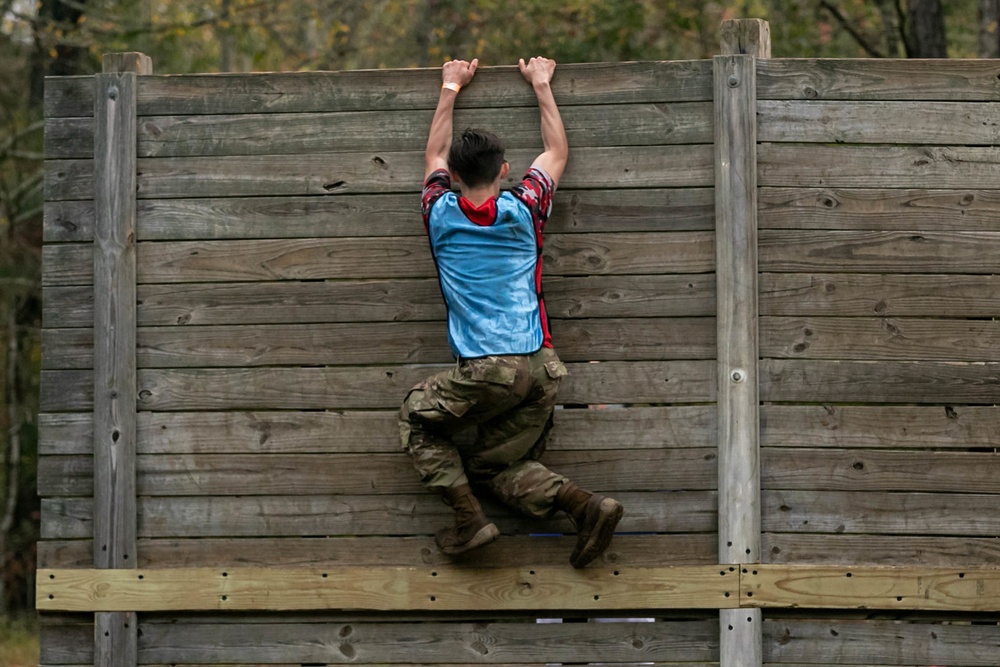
point(735, 93)
point(115, 634)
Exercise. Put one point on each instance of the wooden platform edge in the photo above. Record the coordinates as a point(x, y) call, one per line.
point(387, 589)
point(744, 586)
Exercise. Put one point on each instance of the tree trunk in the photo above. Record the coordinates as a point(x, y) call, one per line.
point(10, 453)
point(989, 28)
point(926, 23)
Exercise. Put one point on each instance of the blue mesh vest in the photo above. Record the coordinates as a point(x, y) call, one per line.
point(490, 277)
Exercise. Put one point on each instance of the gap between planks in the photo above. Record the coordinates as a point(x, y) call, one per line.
point(521, 588)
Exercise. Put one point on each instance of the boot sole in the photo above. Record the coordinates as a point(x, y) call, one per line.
point(609, 513)
point(484, 536)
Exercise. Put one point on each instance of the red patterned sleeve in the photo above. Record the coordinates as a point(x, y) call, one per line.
point(535, 192)
point(437, 184)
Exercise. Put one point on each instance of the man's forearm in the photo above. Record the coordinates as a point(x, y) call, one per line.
point(553, 133)
point(439, 138)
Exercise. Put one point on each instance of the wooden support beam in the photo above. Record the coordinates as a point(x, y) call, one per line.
point(735, 95)
point(115, 92)
point(388, 589)
point(743, 588)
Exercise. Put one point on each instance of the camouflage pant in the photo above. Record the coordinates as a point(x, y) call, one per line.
point(509, 399)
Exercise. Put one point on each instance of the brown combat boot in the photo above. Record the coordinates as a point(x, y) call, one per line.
point(595, 517)
point(472, 529)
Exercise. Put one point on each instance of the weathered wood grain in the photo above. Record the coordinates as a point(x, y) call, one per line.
point(667, 295)
point(574, 211)
point(383, 90)
point(954, 551)
point(876, 251)
point(878, 587)
point(863, 512)
point(113, 338)
point(369, 387)
point(882, 338)
point(375, 387)
point(68, 221)
point(881, 79)
point(363, 258)
point(884, 295)
point(882, 209)
point(879, 470)
point(926, 123)
point(386, 588)
point(736, 296)
point(288, 432)
point(381, 172)
point(884, 166)
point(634, 339)
point(609, 471)
point(299, 134)
point(409, 642)
point(512, 551)
point(327, 515)
point(880, 642)
point(880, 427)
point(809, 381)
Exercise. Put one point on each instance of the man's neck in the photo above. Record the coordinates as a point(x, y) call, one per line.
point(478, 196)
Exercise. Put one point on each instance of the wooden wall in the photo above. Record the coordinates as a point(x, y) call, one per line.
point(879, 235)
point(286, 302)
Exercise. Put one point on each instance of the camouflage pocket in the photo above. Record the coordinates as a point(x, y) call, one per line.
point(490, 369)
point(556, 369)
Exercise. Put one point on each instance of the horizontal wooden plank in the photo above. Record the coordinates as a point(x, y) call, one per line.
point(589, 83)
point(879, 470)
point(538, 588)
point(511, 551)
point(884, 295)
point(634, 339)
point(879, 338)
point(865, 512)
point(383, 172)
point(270, 639)
point(809, 381)
point(387, 589)
point(68, 221)
point(371, 387)
point(879, 252)
point(868, 587)
point(928, 123)
point(883, 209)
point(952, 551)
point(409, 643)
point(327, 515)
point(880, 427)
point(878, 79)
point(300, 133)
point(385, 387)
point(855, 166)
point(607, 471)
point(880, 642)
point(667, 295)
point(575, 211)
point(287, 432)
point(362, 258)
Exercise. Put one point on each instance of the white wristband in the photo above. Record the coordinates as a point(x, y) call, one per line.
point(451, 86)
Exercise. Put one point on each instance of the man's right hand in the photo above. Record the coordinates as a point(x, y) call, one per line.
point(538, 70)
point(459, 71)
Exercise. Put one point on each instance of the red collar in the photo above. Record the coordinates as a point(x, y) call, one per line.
point(483, 215)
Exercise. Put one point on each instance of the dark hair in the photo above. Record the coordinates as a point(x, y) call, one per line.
point(476, 157)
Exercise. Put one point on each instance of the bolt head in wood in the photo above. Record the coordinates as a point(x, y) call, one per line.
point(739, 375)
point(113, 93)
